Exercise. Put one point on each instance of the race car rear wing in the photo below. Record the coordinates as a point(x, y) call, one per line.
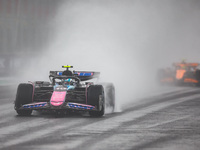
point(82, 75)
point(186, 64)
point(86, 75)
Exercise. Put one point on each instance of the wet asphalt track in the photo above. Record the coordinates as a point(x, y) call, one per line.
point(168, 120)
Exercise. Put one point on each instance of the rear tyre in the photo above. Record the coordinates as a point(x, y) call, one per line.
point(96, 98)
point(24, 96)
point(197, 75)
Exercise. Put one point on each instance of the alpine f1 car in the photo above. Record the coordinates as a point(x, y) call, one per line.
point(181, 73)
point(65, 92)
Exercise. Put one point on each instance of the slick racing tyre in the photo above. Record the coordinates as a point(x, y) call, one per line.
point(197, 74)
point(109, 96)
point(24, 96)
point(96, 98)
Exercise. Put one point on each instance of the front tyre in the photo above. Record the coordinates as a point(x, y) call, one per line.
point(96, 98)
point(24, 96)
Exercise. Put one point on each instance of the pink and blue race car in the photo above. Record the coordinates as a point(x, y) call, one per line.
point(66, 92)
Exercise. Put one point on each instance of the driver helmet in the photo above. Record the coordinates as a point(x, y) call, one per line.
point(183, 67)
point(68, 81)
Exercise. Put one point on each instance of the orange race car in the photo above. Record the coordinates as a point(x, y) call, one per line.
point(181, 73)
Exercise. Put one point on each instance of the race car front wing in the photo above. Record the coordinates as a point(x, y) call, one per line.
point(66, 105)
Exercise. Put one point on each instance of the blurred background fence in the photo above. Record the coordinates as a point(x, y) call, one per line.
point(25, 28)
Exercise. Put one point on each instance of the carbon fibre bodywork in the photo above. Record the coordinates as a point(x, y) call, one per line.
point(180, 74)
point(43, 94)
point(56, 95)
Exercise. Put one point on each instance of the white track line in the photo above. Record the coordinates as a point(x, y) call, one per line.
point(117, 121)
point(97, 127)
point(23, 126)
point(38, 134)
point(166, 122)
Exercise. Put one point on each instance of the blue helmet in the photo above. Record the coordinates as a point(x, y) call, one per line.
point(68, 81)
